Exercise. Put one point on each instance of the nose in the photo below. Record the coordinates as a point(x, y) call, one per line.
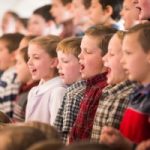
point(122, 61)
point(58, 65)
point(29, 62)
point(80, 56)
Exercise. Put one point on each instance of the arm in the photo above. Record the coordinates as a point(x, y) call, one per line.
point(113, 137)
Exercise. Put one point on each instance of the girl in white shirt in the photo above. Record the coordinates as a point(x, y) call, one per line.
point(45, 99)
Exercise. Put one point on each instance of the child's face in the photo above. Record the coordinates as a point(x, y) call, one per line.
point(40, 63)
point(37, 25)
point(23, 73)
point(8, 23)
point(135, 61)
point(129, 13)
point(80, 14)
point(6, 58)
point(68, 67)
point(112, 59)
point(97, 14)
point(144, 6)
point(90, 57)
point(59, 11)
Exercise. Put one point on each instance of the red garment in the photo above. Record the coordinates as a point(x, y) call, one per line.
point(135, 125)
point(82, 127)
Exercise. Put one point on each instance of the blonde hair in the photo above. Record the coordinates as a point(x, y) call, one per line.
point(70, 45)
point(48, 43)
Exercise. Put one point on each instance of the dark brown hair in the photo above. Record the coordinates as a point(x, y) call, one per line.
point(103, 34)
point(12, 41)
point(143, 35)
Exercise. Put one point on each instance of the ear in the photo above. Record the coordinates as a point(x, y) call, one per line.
point(108, 10)
point(54, 63)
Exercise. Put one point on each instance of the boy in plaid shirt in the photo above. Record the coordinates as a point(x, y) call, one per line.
point(93, 48)
point(69, 70)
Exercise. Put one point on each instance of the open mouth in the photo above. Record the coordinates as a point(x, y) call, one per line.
point(82, 67)
point(61, 74)
point(138, 8)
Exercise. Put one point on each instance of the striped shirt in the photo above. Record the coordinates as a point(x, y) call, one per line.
point(9, 89)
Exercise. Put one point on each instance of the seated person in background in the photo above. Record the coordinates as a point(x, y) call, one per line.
point(42, 22)
point(9, 21)
point(129, 14)
point(106, 12)
point(62, 12)
point(81, 20)
point(9, 86)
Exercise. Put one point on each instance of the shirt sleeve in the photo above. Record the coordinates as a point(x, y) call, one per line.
point(56, 100)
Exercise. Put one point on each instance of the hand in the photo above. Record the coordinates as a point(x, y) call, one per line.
point(145, 145)
point(113, 138)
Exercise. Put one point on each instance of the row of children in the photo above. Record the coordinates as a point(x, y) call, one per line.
point(90, 104)
point(114, 91)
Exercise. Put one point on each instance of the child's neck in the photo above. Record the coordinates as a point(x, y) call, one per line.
point(109, 22)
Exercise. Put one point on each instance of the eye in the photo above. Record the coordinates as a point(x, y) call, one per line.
point(111, 54)
point(87, 51)
point(126, 52)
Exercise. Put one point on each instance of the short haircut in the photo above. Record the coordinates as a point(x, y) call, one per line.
point(103, 34)
point(44, 11)
point(143, 36)
point(116, 6)
point(86, 3)
point(65, 2)
point(70, 45)
point(48, 43)
point(12, 41)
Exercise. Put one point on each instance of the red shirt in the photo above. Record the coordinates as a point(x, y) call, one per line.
point(83, 125)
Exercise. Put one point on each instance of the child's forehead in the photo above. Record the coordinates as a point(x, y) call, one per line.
point(92, 39)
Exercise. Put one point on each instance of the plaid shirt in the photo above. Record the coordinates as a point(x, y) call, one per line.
point(83, 125)
point(111, 107)
point(69, 108)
